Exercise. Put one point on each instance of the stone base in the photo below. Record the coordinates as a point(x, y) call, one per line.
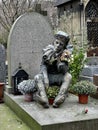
point(8, 89)
point(69, 116)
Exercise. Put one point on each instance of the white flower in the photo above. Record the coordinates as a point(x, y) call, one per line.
point(27, 86)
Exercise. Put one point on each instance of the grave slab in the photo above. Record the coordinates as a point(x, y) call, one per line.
point(69, 116)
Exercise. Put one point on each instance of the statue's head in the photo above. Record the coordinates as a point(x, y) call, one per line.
point(61, 40)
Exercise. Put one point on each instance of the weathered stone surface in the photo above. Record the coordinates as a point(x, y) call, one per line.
point(70, 116)
point(29, 34)
point(2, 63)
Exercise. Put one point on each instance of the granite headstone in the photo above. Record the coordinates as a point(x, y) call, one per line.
point(29, 34)
point(2, 63)
point(90, 69)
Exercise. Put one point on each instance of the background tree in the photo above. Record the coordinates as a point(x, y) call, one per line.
point(10, 10)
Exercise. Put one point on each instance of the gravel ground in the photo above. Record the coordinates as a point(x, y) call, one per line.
point(9, 120)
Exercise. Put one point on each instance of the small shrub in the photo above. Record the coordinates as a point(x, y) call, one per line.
point(84, 87)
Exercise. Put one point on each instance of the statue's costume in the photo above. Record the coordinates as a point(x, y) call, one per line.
point(54, 70)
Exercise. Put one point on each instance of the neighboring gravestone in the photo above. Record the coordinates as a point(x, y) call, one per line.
point(29, 34)
point(2, 63)
point(90, 69)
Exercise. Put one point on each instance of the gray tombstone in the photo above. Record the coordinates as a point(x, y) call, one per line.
point(29, 34)
point(90, 69)
point(2, 63)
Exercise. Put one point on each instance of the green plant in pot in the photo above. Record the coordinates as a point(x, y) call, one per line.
point(52, 92)
point(84, 88)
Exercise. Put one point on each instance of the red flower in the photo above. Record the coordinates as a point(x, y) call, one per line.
point(86, 111)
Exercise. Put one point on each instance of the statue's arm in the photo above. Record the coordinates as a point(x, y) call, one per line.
point(43, 70)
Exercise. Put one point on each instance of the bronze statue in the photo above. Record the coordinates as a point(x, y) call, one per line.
point(54, 70)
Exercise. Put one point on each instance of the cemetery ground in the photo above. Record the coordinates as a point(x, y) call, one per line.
point(9, 120)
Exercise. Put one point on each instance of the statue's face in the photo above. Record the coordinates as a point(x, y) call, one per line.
point(58, 45)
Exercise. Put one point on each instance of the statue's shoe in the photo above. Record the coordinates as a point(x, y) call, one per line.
point(59, 100)
point(42, 100)
point(55, 105)
point(46, 105)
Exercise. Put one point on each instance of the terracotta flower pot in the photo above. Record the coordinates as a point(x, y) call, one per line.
point(51, 100)
point(1, 92)
point(83, 99)
point(28, 97)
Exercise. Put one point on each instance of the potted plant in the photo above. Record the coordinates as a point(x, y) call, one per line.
point(52, 93)
point(83, 89)
point(27, 88)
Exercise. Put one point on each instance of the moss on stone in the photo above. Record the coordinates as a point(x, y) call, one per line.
point(9, 120)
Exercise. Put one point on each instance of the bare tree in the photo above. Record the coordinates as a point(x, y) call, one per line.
point(10, 10)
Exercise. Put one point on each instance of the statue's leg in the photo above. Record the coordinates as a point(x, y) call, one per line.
point(63, 91)
point(41, 96)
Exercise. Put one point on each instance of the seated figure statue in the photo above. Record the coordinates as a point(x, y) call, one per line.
point(54, 70)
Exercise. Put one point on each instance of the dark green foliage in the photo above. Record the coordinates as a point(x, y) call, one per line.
point(52, 91)
point(76, 63)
